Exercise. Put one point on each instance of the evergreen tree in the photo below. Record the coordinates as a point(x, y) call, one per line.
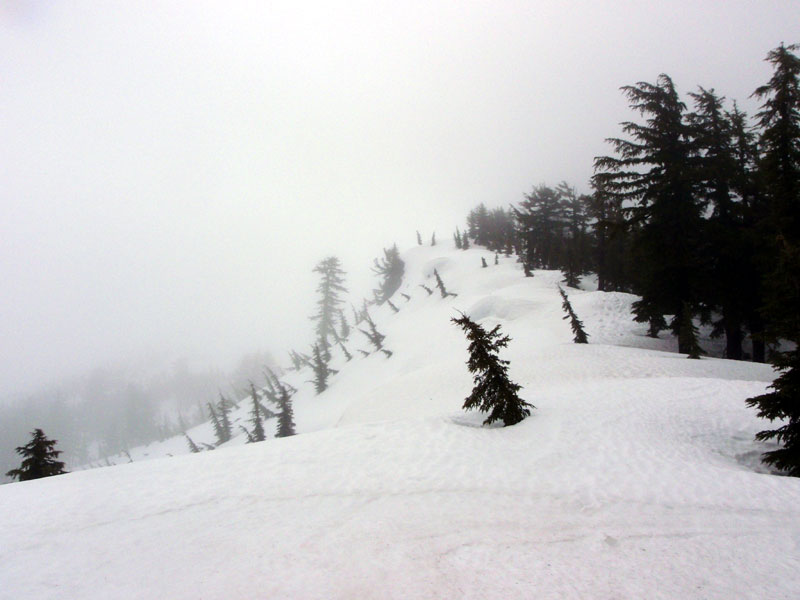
point(440, 285)
point(192, 446)
point(483, 263)
point(223, 415)
point(330, 287)
point(654, 171)
point(580, 336)
point(218, 431)
point(457, 239)
point(494, 392)
point(321, 370)
point(390, 268)
point(256, 417)
point(40, 458)
point(426, 288)
point(373, 335)
point(496, 258)
point(464, 241)
point(419, 239)
point(688, 333)
point(433, 239)
point(344, 326)
point(780, 170)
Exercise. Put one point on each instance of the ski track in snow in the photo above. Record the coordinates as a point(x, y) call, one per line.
point(635, 477)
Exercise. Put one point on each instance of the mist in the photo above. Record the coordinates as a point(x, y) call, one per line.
point(170, 173)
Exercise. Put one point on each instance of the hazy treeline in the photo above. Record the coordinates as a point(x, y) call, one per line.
point(116, 408)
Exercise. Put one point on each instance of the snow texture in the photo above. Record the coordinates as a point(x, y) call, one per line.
point(636, 477)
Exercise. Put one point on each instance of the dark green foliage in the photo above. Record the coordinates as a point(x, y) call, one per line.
point(218, 431)
point(390, 268)
point(464, 241)
point(457, 239)
point(330, 287)
point(40, 459)
point(494, 392)
point(440, 285)
point(578, 332)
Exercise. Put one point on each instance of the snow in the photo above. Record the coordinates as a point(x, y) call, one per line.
point(636, 476)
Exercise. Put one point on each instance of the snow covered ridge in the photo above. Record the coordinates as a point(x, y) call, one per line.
point(635, 477)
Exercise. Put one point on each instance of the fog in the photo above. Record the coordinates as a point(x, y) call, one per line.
point(170, 172)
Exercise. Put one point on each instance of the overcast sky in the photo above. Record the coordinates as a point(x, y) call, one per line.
point(170, 172)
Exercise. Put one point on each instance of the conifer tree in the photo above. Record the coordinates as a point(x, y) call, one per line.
point(426, 288)
point(40, 458)
point(223, 415)
point(457, 239)
point(433, 239)
point(390, 268)
point(321, 370)
point(419, 239)
point(440, 285)
point(483, 263)
point(780, 170)
point(653, 170)
point(373, 335)
point(192, 446)
point(286, 415)
point(347, 356)
point(330, 287)
point(496, 258)
point(256, 417)
point(218, 431)
point(494, 392)
point(580, 336)
point(464, 241)
point(344, 326)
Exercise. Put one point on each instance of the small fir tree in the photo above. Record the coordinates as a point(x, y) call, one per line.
point(483, 263)
point(192, 446)
point(457, 239)
point(494, 392)
point(426, 288)
point(321, 370)
point(464, 241)
point(419, 239)
point(223, 414)
point(580, 336)
point(40, 459)
point(256, 417)
point(440, 285)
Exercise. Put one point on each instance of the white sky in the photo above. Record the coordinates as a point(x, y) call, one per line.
point(170, 172)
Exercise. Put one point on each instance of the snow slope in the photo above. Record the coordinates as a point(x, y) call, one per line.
point(635, 477)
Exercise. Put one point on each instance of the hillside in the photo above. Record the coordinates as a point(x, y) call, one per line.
point(635, 477)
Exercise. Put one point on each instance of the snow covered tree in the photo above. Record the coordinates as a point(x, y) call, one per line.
point(494, 392)
point(373, 335)
point(40, 458)
point(330, 287)
point(390, 269)
point(580, 336)
point(223, 415)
